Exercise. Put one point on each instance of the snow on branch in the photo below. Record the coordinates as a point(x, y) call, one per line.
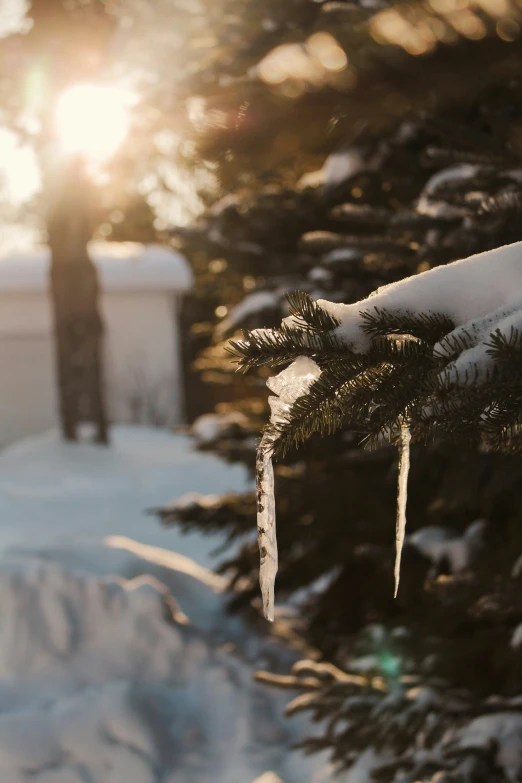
point(436, 354)
point(466, 291)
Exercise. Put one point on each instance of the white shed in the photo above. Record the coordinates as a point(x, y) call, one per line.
point(141, 290)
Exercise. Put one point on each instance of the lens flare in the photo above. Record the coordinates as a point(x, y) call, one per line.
point(92, 120)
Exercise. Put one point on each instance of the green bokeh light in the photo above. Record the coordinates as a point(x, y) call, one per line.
point(390, 665)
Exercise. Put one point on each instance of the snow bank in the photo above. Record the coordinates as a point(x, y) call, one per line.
point(95, 732)
point(104, 679)
point(118, 660)
point(65, 624)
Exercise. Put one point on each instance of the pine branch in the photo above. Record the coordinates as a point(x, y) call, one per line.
point(308, 313)
point(323, 241)
point(458, 135)
point(430, 327)
point(450, 156)
point(369, 391)
point(321, 410)
point(276, 347)
point(362, 216)
point(454, 342)
point(505, 348)
point(506, 203)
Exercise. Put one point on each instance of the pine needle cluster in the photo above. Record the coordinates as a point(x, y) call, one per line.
point(400, 376)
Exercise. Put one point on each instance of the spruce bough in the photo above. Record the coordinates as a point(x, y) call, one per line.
point(438, 354)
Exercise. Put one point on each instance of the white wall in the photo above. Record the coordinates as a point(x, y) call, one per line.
point(27, 389)
point(25, 314)
point(28, 400)
point(142, 364)
point(142, 357)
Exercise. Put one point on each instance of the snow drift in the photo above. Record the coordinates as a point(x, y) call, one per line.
point(118, 660)
point(106, 679)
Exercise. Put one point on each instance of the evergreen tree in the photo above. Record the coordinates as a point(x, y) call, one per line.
point(423, 170)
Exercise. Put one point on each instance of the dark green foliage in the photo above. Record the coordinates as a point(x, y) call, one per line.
point(399, 376)
point(428, 327)
point(451, 625)
point(386, 707)
point(277, 347)
point(308, 314)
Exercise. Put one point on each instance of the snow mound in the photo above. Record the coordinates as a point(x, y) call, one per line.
point(106, 679)
point(119, 662)
point(56, 621)
point(95, 732)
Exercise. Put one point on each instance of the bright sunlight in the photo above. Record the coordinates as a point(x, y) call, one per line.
point(92, 120)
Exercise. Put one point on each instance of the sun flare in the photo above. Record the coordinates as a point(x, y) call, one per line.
point(92, 120)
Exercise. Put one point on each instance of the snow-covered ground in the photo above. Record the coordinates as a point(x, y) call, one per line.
point(53, 493)
point(118, 661)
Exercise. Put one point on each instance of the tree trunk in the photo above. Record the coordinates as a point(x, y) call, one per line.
point(70, 45)
point(74, 288)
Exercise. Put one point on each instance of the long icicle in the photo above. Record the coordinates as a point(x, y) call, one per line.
point(266, 525)
point(402, 497)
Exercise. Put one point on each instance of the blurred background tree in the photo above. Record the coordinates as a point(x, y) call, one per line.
point(62, 46)
point(73, 73)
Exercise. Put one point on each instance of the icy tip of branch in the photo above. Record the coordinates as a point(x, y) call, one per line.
point(266, 526)
point(402, 497)
point(268, 603)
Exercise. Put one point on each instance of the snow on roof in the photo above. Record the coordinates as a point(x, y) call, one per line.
point(122, 266)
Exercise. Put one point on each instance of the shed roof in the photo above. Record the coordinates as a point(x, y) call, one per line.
point(122, 266)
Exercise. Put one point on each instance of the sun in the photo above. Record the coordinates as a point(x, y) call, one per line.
point(92, 120)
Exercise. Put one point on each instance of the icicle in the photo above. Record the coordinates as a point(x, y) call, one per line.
point(402, 496)
point(266, 526)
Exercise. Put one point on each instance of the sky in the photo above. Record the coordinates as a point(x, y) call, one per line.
point(19, 182)
point(93, 121)
point(12, 13)
point(19, 174)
